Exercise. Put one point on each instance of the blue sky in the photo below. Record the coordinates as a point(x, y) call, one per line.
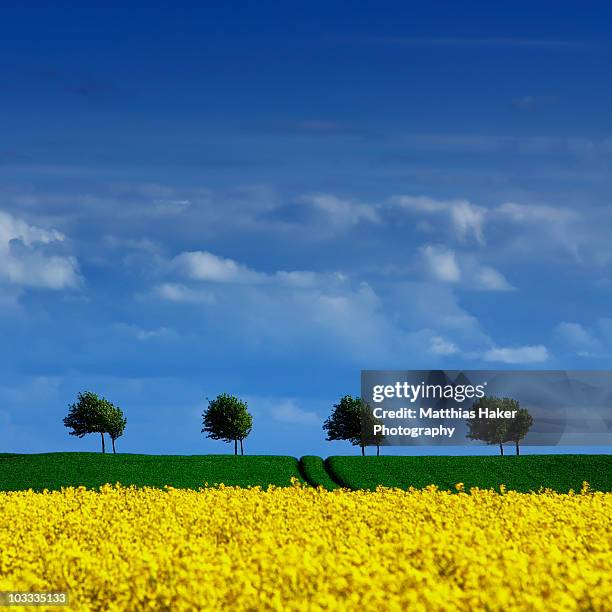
point(266, 199)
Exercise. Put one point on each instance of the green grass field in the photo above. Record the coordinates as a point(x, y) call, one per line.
point(525, 473)
point(56, 470)
point(315, 473)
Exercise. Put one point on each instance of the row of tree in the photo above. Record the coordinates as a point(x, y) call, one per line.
point(500, 430)
point(227, 418)
point(352, 420)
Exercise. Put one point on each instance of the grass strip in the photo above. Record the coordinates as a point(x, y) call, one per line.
point(314, 472)
point(524, 473)
point(56, 470)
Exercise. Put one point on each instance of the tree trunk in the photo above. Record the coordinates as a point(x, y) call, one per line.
point(236, 446)
point(241, 449)
point(113, 441)
point(378, 450)
point(501, 449)
point(362, 450)
point(517, 447)
point(103, 446)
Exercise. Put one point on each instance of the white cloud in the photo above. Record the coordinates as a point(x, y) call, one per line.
point(541, 226)
point(351, 318)
point(204, 266)
point(335, 321)
point(521, 354)
point(441, 346)
point(36, 270)
point(282, 312)
point(175, 292)
point(342, 212)
point(492, 280)
point(579, 339)
point(24, 261)
point(442, 263)
point(420, 203)
point(574, 333)
point(446, 266)
point(285, 308)
point(302, 278)
point(276, 311)
point(536, 212)
point(12, 228)
point(466, 218)
point(287, 411)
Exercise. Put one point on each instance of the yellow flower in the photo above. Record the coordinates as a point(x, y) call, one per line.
point(299, 548)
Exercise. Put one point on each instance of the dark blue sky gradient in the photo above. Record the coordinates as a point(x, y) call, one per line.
point(266, 198)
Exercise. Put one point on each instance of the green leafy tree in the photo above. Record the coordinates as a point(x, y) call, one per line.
point(368, 421)
point(489, 430)
point(352, 420)
point(519, 425)
point(116, 423)
point(227, 418)
point(498, 431)
point(344, 422)
point(89, 414)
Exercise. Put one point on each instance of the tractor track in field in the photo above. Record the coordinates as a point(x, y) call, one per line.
point(315, 471)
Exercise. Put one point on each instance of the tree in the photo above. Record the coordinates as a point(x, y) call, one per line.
point(352, 420)
point(368, 421)
point(90, 414)
point(116, 423)
point(489, 430)
point(498, 431)
point(519, 425)
point(344, 422)
point(227, 419)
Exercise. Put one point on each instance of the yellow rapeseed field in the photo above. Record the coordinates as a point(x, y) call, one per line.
point(300, 548)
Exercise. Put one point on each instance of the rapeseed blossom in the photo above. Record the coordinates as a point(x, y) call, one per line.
point(299, 548)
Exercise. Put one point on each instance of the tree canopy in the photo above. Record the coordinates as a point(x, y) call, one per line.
point(227, 418)
point(499, 430)
point(352, 420)
point(94, 414)
point(519, 426)
point(116, 423)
